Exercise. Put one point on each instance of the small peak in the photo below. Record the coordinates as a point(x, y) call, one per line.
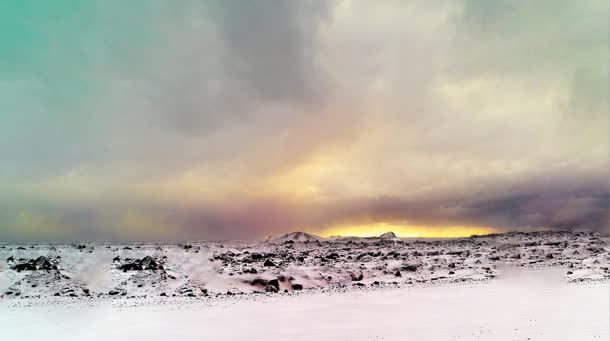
point(295, 237)
point(388, 235)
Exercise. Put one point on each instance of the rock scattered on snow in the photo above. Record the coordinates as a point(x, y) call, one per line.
point(139, 270)
point(40, 263)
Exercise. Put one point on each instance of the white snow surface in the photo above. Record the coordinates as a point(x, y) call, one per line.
point(513, 286)
point(520, 305)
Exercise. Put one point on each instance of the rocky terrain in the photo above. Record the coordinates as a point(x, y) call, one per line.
point(293, 262)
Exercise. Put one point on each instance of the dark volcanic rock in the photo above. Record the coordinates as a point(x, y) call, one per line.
point(269, 263)
point(271, 288)
point(410, 267)
point(356, 277)
point(398, 274)
point(24, 267)
point(148, 263)
point(275, 283)
point(332, 256)
point(297, 287)
point(40, 263)
point(130, 267)
point(259, 281)
point(256, 256)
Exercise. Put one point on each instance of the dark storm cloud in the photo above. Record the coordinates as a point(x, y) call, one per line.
point(563, 203)
point(271, 46)
point(225, 59)
point(568, 203)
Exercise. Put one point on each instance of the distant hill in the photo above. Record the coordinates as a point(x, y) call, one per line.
point(388, 235)
point(297, 237)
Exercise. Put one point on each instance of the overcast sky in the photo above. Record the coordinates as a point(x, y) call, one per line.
point(165, 120)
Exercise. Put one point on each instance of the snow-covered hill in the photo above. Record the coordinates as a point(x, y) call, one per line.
point(388, 235)
point(296, 237)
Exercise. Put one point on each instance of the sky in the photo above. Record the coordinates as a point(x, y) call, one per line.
point(172, 120)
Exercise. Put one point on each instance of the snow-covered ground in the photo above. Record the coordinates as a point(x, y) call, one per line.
point(520, 305)
point(514, 286)
point(296, 261)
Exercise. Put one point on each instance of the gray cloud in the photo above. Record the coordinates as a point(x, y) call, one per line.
point(227, 119)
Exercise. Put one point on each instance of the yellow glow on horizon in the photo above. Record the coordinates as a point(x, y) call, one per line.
point(406, 231)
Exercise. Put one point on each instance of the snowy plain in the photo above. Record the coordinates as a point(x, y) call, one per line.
point(514, 286)
point(521, 305)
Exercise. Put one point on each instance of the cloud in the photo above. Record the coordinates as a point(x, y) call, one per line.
point(225, 120)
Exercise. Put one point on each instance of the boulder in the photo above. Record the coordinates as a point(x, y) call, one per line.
point(332, 256)
point(256, 256)
point(356, 277)
point(24, 267)
point(271, 288)
point(130, 267)
point(275, 283)
point(409, 267)
point(148, 263)
point(259, 281)
point(42, 263)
